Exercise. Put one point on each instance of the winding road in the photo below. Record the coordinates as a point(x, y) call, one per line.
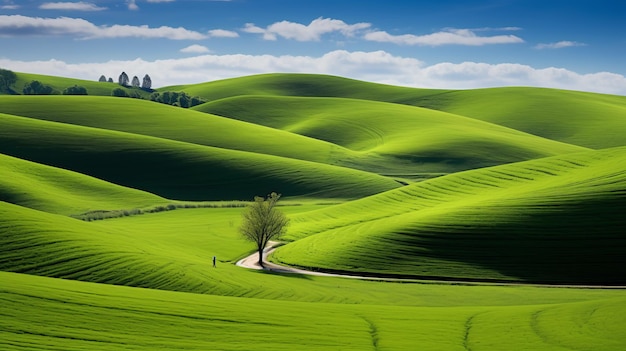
point(251, 262)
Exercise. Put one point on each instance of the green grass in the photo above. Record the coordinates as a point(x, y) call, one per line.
point(50, 314)
point(557, 219)
point(56, 190)
point(146, 282)
point(580, 118)
point(311, 85)
point(178, 170)
point(174, 123)
point(408, 137)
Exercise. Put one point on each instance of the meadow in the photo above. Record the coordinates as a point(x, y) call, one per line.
point(502, 208)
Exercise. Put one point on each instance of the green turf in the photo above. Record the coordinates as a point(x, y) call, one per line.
point(174, 123)
point(146, 282)
point(580, 118)
point(60, 191)
point(311, 85)
point(557, 219)
point(49, 314)
point(178, 170)
point(407, 137)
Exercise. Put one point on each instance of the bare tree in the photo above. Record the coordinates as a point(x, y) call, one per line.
point(135, 82)
point(262, 221)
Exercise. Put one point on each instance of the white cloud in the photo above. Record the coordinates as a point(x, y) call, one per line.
point(446, 37)
point(132, 5)
point(195, 49)
point(559, 45)
point(9, 7)
point(157, 1)
point(311, 32)
point(222, 33)
point(376, 66)
point(71, 6)
point(17, 25)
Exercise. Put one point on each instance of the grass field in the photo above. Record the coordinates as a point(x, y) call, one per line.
point(556, 219)
point(510, 184)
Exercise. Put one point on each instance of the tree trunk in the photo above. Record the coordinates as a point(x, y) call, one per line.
point(261, 257)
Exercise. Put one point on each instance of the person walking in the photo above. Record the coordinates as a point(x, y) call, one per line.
point(214, 261)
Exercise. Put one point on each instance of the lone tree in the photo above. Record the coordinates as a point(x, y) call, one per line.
point(102, 78)
point(262, 221)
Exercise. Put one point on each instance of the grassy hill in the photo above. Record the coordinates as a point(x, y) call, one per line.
point(178, 170)
point(585, 119)
point(146, 282)
point(558, 219)
point(579, 118)
point(309, 85)
point(407, 137)
point(168, 122)
point(56, 190)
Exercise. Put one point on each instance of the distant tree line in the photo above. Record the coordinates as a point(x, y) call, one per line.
point(129, 88)
point(176, 98)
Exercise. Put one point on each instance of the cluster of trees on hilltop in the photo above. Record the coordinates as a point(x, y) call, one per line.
point(123, 80)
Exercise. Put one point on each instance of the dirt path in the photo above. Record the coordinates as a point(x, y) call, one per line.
point(251, 262)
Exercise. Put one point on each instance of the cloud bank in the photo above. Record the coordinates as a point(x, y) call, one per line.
point(311, 32)
point(374, 66)
point(447, 37)
point(71, 6)
point(18, 25)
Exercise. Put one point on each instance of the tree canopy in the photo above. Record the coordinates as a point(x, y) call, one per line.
point(7, 78)
point(75, 90)
point(147, 82)
point(262, 221)
point(37, 88)
point(123, 79)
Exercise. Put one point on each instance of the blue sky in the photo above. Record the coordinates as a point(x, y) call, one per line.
point(577, 45)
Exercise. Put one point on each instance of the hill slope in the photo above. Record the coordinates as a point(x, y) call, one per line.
point(558, 219)
point(56, 190)
point(579, 118)
point(585, 119)
point(178, 170)
point(408, 137)
point(168, 122)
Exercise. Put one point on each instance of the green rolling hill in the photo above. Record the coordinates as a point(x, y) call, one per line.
point(168, 122)
point(56, 190)
point(557, 219)
point(406, 137)
point(531, 188)
point(579, 118)
point(178, 170)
